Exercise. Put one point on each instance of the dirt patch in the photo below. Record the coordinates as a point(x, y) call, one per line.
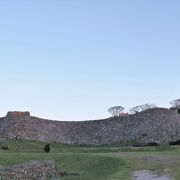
point(146, 174)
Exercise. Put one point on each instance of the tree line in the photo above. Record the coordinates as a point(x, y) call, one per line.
point(119, 110)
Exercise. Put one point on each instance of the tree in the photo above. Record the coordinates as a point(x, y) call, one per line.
point(178, 110)
point(116, 110)
point(147, 106)
point(175, 105)
point(47, 148)
point(141, 108)
point(135, 109)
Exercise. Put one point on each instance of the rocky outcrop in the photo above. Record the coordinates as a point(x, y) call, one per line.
point(33, 170)
point(154, 125)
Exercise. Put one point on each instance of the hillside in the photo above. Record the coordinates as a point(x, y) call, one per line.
point(155, 125)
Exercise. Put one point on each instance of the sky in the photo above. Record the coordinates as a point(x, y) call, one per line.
point(72, 60)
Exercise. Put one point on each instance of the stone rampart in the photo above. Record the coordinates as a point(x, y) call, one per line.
point(155, 125)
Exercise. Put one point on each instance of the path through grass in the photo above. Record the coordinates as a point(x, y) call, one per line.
point(90, 162)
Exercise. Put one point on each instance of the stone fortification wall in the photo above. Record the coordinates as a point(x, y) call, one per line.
point(156, 125)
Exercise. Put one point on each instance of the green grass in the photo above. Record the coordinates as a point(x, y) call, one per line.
point(88, 166)
point(89, 162)
point(33, 146)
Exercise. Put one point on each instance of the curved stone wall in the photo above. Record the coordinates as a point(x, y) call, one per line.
point(155, 125)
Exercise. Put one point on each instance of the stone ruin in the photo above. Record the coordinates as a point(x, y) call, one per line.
point(33, 170)
point(158, 125)
point(17, 114)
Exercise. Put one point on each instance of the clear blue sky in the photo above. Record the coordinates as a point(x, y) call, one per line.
point(73, 59)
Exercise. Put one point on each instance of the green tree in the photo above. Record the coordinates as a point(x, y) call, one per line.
point(175, 105)
point(178, 110)
point(47, 148)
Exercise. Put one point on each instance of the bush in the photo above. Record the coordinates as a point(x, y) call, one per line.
point(153, 144)
point(138, 145)
point(47, 148)
point(144, 145)
point(4, 148)
point(178, 110)
point(175, 142)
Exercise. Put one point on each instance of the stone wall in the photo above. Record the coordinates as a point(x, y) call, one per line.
point(155, 125)
point(40, 170)
point(16, 114)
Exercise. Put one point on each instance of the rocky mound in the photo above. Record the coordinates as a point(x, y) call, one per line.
point(154, 125)
point(40, 170)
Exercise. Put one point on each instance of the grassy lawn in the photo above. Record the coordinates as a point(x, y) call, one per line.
point(92, 162)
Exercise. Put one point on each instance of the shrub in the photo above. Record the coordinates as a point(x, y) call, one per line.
point(4, 148)
point(64, 173)
point(144, 145)
point(153, 144)
point(178, 110)
point(138, 145)
point(47, 148)
point(175, 142)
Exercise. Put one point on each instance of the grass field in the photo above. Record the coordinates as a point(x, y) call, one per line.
point(95, 162)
